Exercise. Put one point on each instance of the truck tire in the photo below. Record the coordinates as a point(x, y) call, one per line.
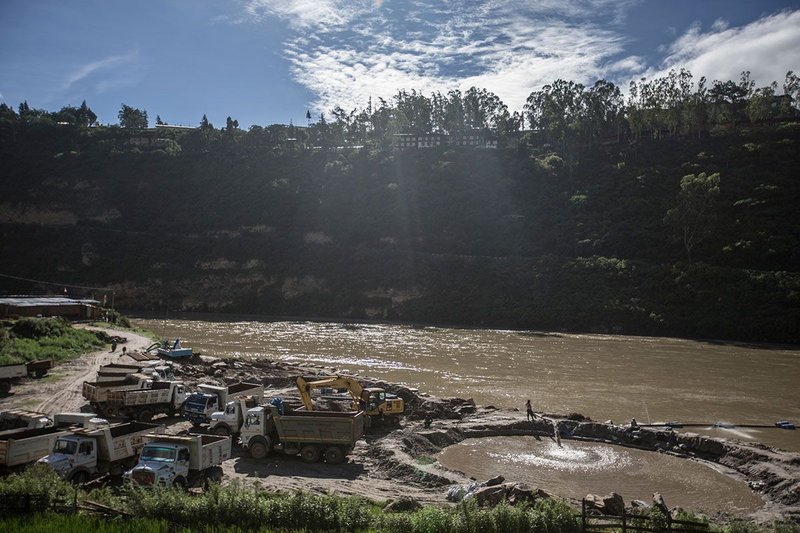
point(395, 420)
point(5, 387)
point(259, 447)
point(310, 453)
point(222, 430)
point(213, 475)
point(334, 455)
point(79, 478)
point(145, 415)
point(180, 483)
point(108, 411)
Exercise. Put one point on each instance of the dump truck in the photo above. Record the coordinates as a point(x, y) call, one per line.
point(10, 374)
point(19, 447)
point(116, 372)
point(177, 461)
point(210, 398)
point(230, 421)
point(159, 397)
point(23, 419)
point(83, 454)
point(96, 393)
point(313, 435)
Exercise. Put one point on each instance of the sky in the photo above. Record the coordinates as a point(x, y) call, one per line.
point(269, 61)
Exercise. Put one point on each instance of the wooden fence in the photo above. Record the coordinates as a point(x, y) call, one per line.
point(631, 522)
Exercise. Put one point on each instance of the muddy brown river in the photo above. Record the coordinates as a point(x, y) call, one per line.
point(601, 376)
point(604, 377)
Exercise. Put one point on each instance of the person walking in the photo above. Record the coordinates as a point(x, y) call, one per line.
point(529, 410)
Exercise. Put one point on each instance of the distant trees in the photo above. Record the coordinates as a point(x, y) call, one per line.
point(132, 118)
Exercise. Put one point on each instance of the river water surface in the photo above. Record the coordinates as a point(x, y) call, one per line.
point(601, 376)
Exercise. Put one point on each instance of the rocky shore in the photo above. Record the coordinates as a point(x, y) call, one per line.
point(395, 454)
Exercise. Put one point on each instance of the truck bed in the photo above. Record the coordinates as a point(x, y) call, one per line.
point(21, 446)
point(320, 427)
point(97, 391)
point(157, 393)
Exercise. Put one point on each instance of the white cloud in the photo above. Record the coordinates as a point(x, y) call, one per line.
point(345, 51)
point(767, 47)
point(90, 68)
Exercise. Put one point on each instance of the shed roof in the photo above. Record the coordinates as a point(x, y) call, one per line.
point(49, 301)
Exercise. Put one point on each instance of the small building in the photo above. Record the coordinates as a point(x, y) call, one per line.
point(405, 141)
point(29, 306)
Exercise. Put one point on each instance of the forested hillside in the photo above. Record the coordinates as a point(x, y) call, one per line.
point(670, 218)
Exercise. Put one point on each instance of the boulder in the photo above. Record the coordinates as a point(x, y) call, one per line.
point(497, 480)
point(614, 504)
point(490, 495)
point(401, 505)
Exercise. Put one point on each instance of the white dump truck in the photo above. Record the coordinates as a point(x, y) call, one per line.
point(117, 372)
point(210, 399)
point(143, 404)
point(231, 420)
point(313, 435)
point(22, 446)
point(80, 455)
point(23, 419)
point(96, 393)
point(175, 461)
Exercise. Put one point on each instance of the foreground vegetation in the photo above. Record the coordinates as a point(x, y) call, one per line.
point(241, 507)
point(31, 339)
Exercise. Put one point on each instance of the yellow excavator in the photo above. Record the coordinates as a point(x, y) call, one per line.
point(376, 403)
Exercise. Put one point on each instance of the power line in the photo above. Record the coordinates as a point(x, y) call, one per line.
point(56, 283)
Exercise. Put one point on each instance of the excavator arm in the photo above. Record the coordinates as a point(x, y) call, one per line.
point(304, 386)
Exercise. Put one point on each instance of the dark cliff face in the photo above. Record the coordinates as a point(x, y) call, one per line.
point(528, 238)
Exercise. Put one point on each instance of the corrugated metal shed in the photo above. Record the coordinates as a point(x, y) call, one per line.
point(49, 306)
point(33, 301)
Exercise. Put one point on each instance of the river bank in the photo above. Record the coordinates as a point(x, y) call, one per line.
point(395, 464)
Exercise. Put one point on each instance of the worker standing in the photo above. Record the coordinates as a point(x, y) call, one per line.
point(529, 410)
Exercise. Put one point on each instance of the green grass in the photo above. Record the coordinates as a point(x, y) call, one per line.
point(30, 339)
point(246, 507)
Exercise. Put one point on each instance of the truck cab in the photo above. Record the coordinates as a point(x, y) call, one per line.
point(161, 464)
point(229, 421)
point(198, 406)
point(74, 458)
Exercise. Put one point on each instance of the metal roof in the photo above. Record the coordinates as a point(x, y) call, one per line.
point(49, 301)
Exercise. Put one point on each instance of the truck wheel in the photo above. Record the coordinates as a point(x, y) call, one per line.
point(334, 455)
point(145, 415)
point(79, 478)
point(108, 411)
point(222, 431)
point(40, 373)
point(310, 453)
point(259, 449)
point(395, 420)
point(213, 475)
point(5, 387)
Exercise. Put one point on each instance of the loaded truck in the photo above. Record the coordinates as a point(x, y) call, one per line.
point(23, 419)
point(143, 404)
point(10, 374)
point(19, 447)
point(313, 435)
point(176, 461)
point(211, 398)
point(116, 372)
point(80, 455)
point(230, 421)
point(96, 393)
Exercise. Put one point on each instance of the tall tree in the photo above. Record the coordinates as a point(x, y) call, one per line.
point(130, 117)
point(695, 214)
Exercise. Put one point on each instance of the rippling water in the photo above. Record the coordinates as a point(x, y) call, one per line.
point(602, 376)
point(580, 468)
